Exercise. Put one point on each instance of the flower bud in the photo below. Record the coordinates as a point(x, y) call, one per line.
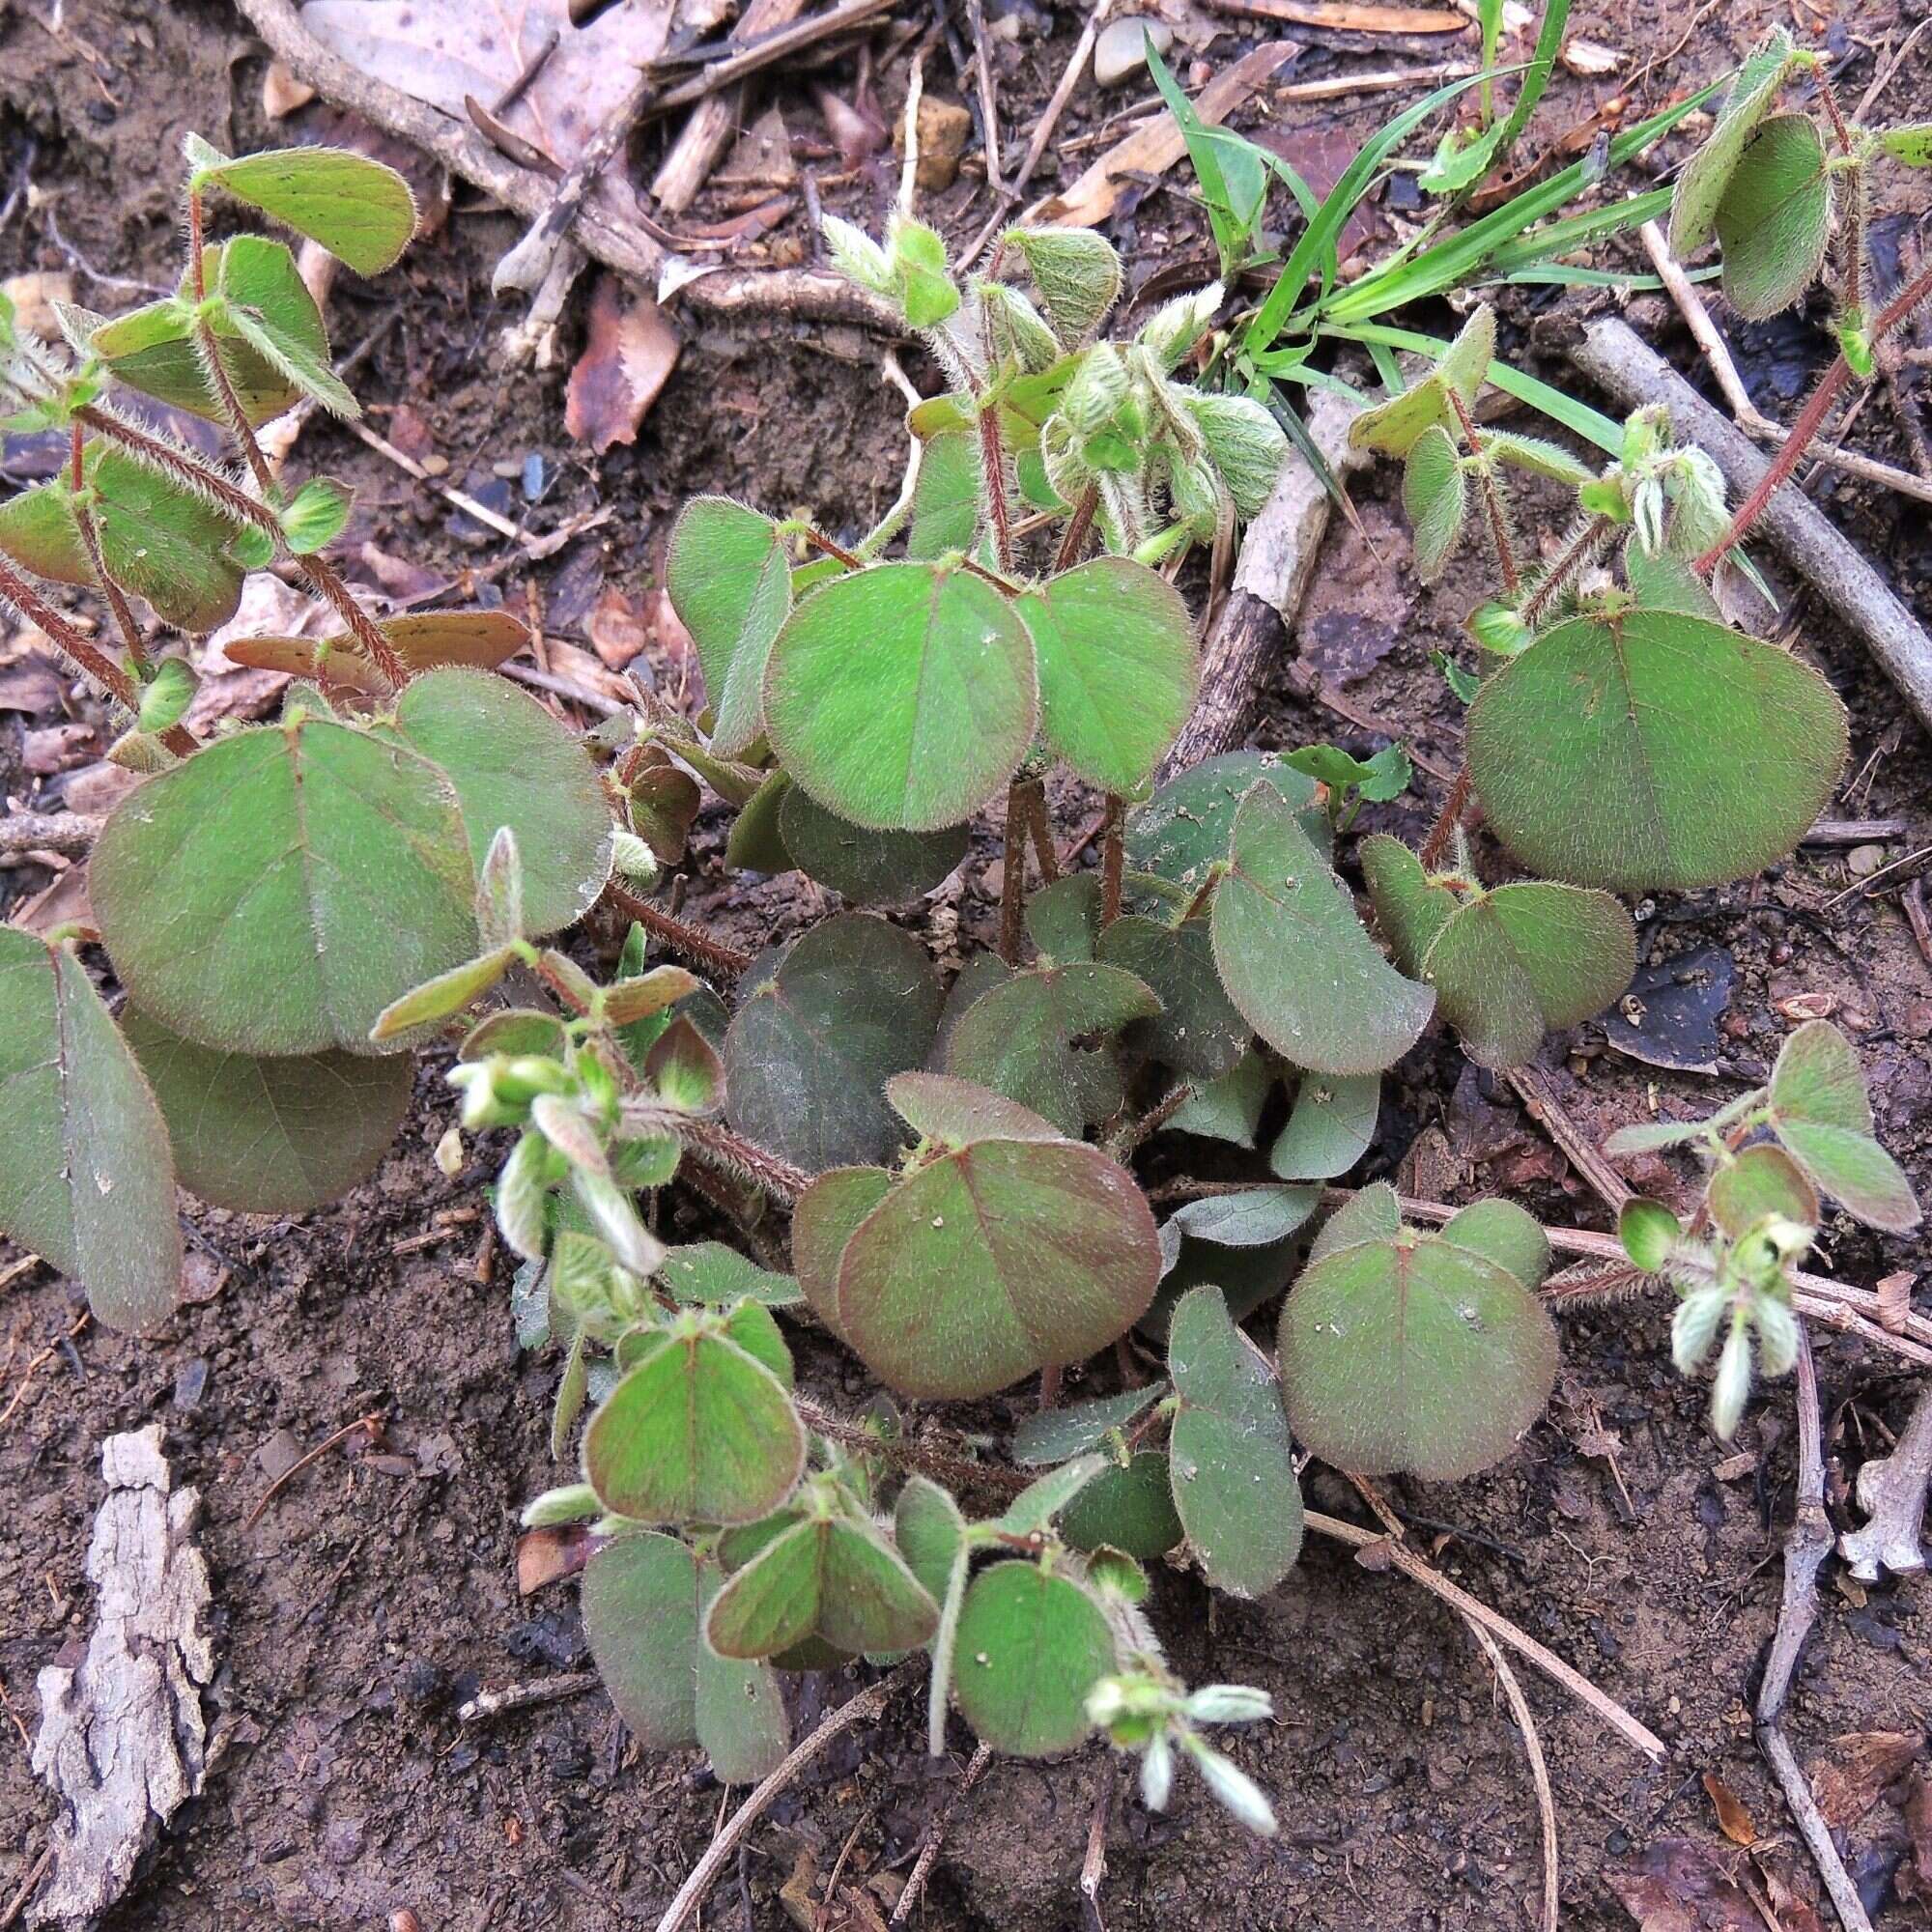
point(1176, 326)
point(924, 290)
point(1236, 1791)
point(484, 1102)
point(1157, 1772)
point(1499, 629)
point(574, 1502)
point(856, 255)
point(1732, 1384)
point(1245, 444)
point(1100, 386)
point(1228, 1704)
point(1694, 1324)
point(1076, 272)
point(1019, 333)
point(1777, 1334)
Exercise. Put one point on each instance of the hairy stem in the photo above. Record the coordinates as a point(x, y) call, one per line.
point(1565, 567)
point(1040, 825)
point(993, 461)
point(1810, 420)
point(1013, 876)
point(1493, 502)
point(1081, 522)
point(819, 540)
point(90, 541)
point(769, 1173)
point(1112, 860)
point(1446, 821)
point(693, 941)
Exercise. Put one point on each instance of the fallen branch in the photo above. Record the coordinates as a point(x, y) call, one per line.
point(1539, 1769)
point(702, 139)
point(1615, 357)
point(935, 1832)
point(619, 245)
point(1272, 577)
point(1892, 1492)
point(1806, 1549)
point(68, 833)
point(868, 1703)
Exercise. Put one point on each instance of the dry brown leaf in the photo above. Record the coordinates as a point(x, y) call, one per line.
point(1733, 1819)
point(546, 1555)
point(282, 93)
point(55, 747)
point(1785, 1874)
point(1319, 152)
point(616, 628)
point(33, 295)
point(854, 133)
point(96, 790)
point(65, 902)
point(1895, 1301)
point(1678, 1885)
point(626, 358)
point(1856, 1768)
point(1156, 144)
point(32, 684)
point(1915, 1876)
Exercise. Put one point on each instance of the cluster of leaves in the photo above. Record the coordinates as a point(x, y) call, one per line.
point(1771, 1153)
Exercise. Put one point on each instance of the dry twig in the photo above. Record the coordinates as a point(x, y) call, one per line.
point(928, 1850)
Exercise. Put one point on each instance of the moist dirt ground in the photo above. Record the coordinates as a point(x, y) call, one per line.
point(377, 1589)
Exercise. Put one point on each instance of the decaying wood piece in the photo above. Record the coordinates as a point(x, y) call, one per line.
point(1277, 560)
point(703, 138)
point(1891, 1492)
point(123, 1744)
point(1615, 357)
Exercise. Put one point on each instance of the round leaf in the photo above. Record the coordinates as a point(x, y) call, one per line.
point(1434, 497)
point(930, 1533)
point(741, 1721)
point(1762, 1180)
point(903, 697)
point(1295, 957)
point(1649, 1232)
point(1198, 1030)
point(1063, 919)
point(993, 1262)
point(729, 582)
point(1820, 1112)
point(944, 496)
point(361, 212)
point(708, 1271)
point(1129, 1508)
point(1019, 1040)
point(512, 763)
point(808, 1053)
point(698, 1431)
point(869, 867)
point(1651, 751)
point(827, 1215)
point(274, 893)
point(1117, 668)
point(937, 1107)
point(1233, 1465)
point(1030, 1645)
point(1330, 1127)
point(1501, 1232)
point(1413, 1353)
point(639, 1601)
point(1775, 217)
point(88, 1183)
point(1184, 828)
point(1249, 1217)
point(1230, 1108)
point(275, 1136)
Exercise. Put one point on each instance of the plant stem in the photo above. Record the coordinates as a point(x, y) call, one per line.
point(83, 654)
point(1012, 877)
point(1829, 95)
point(1562, 570)
point(693, 941)
point(1040, 825)
point(769, 1173)
point(1446, 821)
point(1810, 420)
point(1112, 860)
point(190, 469)
point(1492, 497)
point(819, 540)
point(993, 461)
point(1074, 541)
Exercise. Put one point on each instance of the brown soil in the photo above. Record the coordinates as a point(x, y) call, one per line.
point(377, 1590)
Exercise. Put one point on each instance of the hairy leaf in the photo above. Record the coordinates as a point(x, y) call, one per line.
point(1330, 1127)
point(269, 308)
point(1819, 1111)
point(1130, 1509)
point(1700, 187)
point(1053, 1435)
point(361, 212)
point(1763, 1179)
point(1198, 1030)
point(1029, 1647)
point(1185, 827)
point(1775, 217)
point(869, 867)
point(729, 582)
point(1434, 497)
point(938, 1107)
point(834, 1577)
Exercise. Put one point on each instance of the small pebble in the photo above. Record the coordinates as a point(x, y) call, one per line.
point(191, 1383)
point(1121, 50)
point(1865, 860)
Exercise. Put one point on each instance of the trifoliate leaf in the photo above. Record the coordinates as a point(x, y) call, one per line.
point(1820, 1113)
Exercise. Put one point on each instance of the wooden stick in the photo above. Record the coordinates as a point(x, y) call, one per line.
point(702, 139)
point(1539, 1769)
point(928, 1850)
point(1347, 19)
point(868, 1703)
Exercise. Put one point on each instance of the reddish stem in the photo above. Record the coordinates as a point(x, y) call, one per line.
point(993, 460)
point(1112, 860)
point(1560, 572)
point(1082, 522)
point(197, 273)
point(1012, 877)
point(1492, 499)
point(1446, 822)
point(1042, 828)
point(693, 941)
point(819, 541)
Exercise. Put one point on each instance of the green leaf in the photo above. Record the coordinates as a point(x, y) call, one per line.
point(944, 496)
point(753, 1327)
point(729, 582)
point(1409, 1353)
point(152, 349)
point(39, 532)
point(1030, 1645)
point(1501, 1232)
point(274, 893)
point(1911, 143)
point(1244, 1278)
point(1063, 919)
point(1372, 1213)
point(869, 867)
point(1330, 1127)
point(1650, 1233)
point(1054, 1434)
point(444, 996)
point(756, 843)
point(1185, 827)
point(1775, 217)
point(828, 1575)
point(315, 516)
point(1763, 1179)
point(741, 1721)
point(1700, 187)
point(699, 1432)
point(511, 763)
point(269, 306)
point(904, 697)
point(1117, 668)
point(1262, 1216)
point(1020, 1040)
point(938, 1107)
point(1233, 1465)
point(1653, 750)
point(1507, 965)
point(1533, 454)
point(1245, 445)
point(1129, 1508)
point(994, 1261)
point(930, 1533)
point(827, 1213)
point(807, 1055)
point(685, 1067)
point(1294, 958)
point(88, 1183)
point(1435, 499)
point(1198, 1029)
point(361, 212)
point(1820, 1113)
point(1230, 1108)
point(708, 1271)
point(275, 1136)
point(1395, 427)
